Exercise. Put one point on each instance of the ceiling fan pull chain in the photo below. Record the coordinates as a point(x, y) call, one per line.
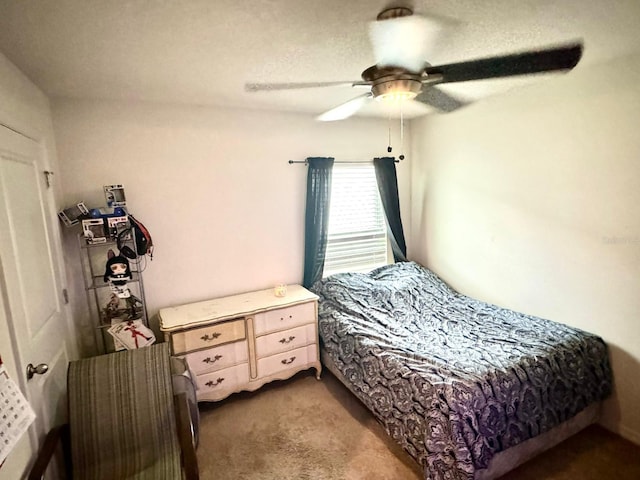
point(389, 149)
point(401, 157)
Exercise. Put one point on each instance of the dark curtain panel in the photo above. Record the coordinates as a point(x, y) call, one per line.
point(316, 221)
point(388, 188)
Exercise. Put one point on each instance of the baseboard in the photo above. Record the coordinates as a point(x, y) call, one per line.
point(625, 432)
point(629, 434)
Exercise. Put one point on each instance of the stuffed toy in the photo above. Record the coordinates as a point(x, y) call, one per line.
point(118, 273)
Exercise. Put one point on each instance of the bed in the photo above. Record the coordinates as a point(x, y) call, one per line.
point(468, 389)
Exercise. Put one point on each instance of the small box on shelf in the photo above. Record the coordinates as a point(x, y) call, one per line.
point(94, 231)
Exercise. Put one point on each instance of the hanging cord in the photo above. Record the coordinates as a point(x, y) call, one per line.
point(401, 157)
point(140, 262)
point(389, 149)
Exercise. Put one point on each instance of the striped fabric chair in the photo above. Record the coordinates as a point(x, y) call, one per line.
point(123, 420)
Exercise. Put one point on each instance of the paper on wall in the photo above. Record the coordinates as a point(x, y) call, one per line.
point(15, 414)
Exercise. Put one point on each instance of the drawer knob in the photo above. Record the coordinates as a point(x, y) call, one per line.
point(208, 337)
point(287, 361)
point(284, 341)
point(212, 360)
point(212, 384)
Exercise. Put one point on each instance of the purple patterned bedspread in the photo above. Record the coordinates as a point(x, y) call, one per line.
point(452, 379)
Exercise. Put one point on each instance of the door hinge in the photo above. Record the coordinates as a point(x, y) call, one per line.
point(47, 177)
point(65, 295)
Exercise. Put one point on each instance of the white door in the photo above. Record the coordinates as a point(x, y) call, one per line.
point(33, 328)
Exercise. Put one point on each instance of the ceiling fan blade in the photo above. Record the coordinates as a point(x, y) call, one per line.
point(403, 41)
point(436, 98)
point(345, 110)
point(552, 59)
point(257, 87)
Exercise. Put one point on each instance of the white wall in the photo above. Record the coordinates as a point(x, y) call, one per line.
point(23, 105)
point(225, 209)
point(531, 200)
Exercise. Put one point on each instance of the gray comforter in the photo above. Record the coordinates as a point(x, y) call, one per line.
point(452, 379)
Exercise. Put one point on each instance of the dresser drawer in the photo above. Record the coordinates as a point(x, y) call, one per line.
point(217, 385)
point(216, 358)
point(286, 340)
point(284, 318)
point(209, 336)
point(287, 360)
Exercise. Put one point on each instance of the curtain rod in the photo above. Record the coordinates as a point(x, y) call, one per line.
point(368, 162)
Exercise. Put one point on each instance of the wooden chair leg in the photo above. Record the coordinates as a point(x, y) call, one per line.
point(185, 437)
point(55, 437)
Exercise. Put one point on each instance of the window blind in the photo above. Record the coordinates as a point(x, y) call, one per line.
point(357, 238)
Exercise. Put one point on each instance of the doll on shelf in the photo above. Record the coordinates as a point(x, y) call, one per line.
point(118, 273)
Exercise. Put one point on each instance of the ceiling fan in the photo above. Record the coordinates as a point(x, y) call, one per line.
point(401, 73)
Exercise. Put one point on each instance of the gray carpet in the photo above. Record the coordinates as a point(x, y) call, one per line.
point(304, 429)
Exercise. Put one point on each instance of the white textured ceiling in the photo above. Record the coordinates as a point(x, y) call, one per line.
point(202, 52)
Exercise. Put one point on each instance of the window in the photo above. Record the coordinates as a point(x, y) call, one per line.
point(357, 237)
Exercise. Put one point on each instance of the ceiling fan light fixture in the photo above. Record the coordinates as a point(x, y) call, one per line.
point(396, 97)
point(398, 90)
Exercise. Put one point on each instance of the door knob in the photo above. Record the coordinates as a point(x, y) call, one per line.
point(40, 369)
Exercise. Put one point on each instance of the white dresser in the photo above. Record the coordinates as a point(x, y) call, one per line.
point(243, 341)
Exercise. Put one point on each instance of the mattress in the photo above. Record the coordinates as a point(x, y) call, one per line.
point(454, 380)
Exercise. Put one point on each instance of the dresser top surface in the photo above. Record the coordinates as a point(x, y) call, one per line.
point(218, 309)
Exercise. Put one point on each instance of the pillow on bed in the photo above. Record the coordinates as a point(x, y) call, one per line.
point(396, 286)
point(408, 278)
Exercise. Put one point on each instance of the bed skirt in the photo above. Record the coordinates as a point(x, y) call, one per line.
point(509, 459)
